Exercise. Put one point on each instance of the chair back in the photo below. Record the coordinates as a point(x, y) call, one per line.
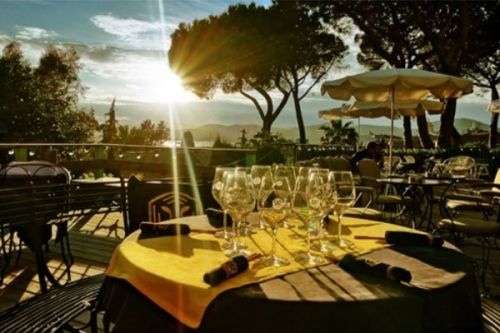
point(156, 200)
point(410, 159)
point(459, 165)
point(339, 164)
point(497, 177)
point(34, 173)
point(368, 168)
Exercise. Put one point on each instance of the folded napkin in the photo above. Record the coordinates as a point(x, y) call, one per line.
point(216, 217)
point(366, 266)
point(227, 270)
point(412, 239)
point(151, 229)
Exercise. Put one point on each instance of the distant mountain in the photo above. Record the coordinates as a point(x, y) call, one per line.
point(231, 133)
point(463, 124)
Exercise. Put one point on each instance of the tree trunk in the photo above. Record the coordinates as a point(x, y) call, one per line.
point(494, 119)
point(448, 135)
point(266, 127)
point(300, 119)
point(407, 132)
point(423, 132)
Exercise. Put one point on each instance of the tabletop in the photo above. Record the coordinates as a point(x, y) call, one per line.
point(442, 295)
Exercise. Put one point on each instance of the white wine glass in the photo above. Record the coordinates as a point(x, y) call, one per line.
point(217, 191)
point(258, 174)
point(288, 172)
point(319, 193)
point(306, 215)
point(275, 209)
point(239, 201)
point(344, 197)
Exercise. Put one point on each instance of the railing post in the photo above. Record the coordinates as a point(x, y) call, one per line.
point(21, 154)
point(99, 154)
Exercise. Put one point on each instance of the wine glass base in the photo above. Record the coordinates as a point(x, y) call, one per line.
point(246, 231)
point(308, 259)
point(237, 252)
point(229, 245)
point(259, 226)
point(341, 243)
point(223, 234)
point(323, 246)
point(274, 261)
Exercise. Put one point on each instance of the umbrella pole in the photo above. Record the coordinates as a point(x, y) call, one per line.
point(392, 131)
point(359, 134)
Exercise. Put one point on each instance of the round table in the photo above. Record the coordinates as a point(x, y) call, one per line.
point(442, 296)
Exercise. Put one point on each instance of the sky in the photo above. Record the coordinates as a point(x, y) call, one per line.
point(123, 45)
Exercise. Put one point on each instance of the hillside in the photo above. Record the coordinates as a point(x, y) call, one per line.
point(233, 132)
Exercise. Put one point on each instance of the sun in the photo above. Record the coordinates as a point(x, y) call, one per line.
point(163, 86)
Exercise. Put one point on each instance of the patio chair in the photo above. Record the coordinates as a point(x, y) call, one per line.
point(469, 220)
point(33, 193)
point(339, 164)
point(154, 200)
point(369, 173)
point(459, 166)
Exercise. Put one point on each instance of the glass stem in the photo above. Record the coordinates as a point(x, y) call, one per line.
point(308, 235)
point(273, 248)
point(224, 223)
point(236, 231)
point(339, 231)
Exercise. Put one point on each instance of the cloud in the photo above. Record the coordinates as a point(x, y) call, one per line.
point(29, 33)
point(128, 28)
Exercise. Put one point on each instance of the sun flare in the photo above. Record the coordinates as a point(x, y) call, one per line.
point(163, 86)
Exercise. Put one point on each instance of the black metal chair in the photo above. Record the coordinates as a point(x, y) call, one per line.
point(157, 200)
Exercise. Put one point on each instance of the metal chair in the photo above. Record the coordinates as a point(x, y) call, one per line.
point(470, 220)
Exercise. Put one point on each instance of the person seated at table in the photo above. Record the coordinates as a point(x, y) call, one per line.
point(370, 152)
point(379, 154)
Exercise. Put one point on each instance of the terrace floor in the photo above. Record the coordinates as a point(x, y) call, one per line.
point(93, 239)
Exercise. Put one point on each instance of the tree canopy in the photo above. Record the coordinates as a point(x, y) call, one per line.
point(46, 95)
point(442, 36)
point(254, 51)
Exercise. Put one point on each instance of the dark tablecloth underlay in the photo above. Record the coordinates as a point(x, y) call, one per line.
point(442, 297)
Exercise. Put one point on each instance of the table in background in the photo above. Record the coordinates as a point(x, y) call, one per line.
point(312, 301)
point(407, 187)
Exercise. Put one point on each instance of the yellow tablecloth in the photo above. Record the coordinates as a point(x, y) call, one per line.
point(169, 270)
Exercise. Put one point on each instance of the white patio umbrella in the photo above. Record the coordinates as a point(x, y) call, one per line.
point(375, 109)
point(396, 85)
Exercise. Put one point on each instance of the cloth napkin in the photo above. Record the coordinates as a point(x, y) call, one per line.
point(366, 266)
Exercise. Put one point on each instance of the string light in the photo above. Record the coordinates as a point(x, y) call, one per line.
point(11, 152)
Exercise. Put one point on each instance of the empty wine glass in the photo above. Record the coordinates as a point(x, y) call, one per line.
point(319, 194)
point(301, 209)
point(288, 172)
point(217, 191)
point(238, 198)
point(344, 197)
point(259, 173)
point(275, 209)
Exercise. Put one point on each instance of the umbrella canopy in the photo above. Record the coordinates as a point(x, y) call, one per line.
point(407, 84)
point(383, 109)
point(396, 85)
